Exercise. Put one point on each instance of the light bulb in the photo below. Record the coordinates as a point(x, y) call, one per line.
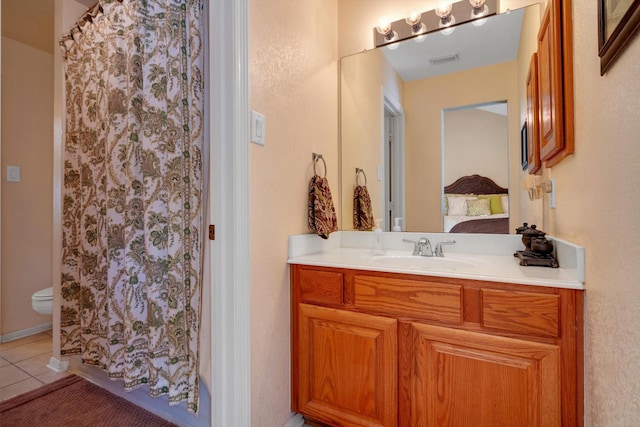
point(447, 25)
point(443, 10)
point(446, 18)
point(384, 28)
point(477, 3)
point(413, 19)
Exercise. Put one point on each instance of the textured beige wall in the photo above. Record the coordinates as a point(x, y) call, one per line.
point(293, 81)
point(27, 116)
point(362, 115)
point(530, 210)
point(597, 206)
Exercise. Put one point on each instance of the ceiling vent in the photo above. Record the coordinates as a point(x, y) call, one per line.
point(444, 59)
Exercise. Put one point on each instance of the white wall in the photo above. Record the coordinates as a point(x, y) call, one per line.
point(476, 142)
point(27, 105)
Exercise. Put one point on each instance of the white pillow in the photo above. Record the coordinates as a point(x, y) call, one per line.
point(457, 205)
point(505, 203)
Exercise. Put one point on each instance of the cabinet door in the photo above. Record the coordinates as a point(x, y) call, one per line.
point(550, 82)
point(347, 367)
point(463, 378)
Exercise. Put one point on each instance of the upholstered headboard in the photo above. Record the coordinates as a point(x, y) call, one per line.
point(475, 184)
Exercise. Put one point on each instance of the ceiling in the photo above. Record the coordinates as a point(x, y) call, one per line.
point(469, 46)
point(31, 21)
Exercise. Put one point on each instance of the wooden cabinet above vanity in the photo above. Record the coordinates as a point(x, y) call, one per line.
point(552, 130)
point(390, 349)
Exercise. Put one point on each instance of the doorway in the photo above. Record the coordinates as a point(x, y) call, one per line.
point(393, 143)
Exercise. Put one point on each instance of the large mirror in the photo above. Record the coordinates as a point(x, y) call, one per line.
point(417, 117)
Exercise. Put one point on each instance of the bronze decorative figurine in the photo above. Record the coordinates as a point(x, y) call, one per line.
point(538, 249)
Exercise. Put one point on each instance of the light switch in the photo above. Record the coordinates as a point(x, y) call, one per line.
point(13, 173)
point(257, 128)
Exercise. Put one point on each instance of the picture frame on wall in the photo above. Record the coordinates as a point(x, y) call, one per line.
point(524, 155)
point(618, 20)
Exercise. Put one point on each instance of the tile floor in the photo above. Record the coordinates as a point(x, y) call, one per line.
point(23, 365)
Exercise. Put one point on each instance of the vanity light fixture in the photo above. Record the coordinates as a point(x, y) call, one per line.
point(417, 25)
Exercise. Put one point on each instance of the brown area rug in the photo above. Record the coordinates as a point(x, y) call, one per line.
point(73, 401)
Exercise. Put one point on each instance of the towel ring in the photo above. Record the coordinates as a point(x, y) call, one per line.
point(316, 158)
point(358, 172)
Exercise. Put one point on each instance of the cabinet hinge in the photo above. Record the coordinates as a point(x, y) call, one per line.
point(212, 232)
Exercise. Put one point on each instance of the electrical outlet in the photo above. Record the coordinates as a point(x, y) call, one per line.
point(13, 173)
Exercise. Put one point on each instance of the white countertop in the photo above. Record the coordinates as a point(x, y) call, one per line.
point(474, 256)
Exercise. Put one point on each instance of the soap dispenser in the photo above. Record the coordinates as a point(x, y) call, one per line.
point(397, 227)
point(377, 248)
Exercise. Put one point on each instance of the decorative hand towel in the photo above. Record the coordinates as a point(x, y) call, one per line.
point(322, 214)
point(362, 211)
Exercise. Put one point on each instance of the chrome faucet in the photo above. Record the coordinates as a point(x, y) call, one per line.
point(438, 251)
point(422, 247)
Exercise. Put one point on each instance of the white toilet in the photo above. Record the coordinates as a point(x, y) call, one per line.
point(42, 301)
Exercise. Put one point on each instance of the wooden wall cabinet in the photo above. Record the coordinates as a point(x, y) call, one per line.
point(555, 83)
point(386, 349)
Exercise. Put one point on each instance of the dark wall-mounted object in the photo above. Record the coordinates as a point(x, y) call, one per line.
point(615, 32)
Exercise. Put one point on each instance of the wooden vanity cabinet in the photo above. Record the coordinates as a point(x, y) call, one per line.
point(387, 349)
point(555, 83)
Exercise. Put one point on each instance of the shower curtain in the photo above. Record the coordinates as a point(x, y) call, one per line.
point(133, 193)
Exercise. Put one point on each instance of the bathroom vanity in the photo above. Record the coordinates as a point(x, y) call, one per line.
point(473, 339)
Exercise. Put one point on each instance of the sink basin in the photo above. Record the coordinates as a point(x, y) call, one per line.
point(428, 263)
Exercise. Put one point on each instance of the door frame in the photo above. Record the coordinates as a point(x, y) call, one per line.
point(397, 206)
point(229, 206)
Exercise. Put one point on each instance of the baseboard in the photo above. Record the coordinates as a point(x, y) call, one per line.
point(12, 336)
point(57, 365)
point(296, 421)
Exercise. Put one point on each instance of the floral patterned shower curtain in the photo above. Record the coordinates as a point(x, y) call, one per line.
point(133, 193)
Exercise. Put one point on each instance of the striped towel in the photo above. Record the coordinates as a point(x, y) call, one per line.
point(362, 211)
point(321, 214)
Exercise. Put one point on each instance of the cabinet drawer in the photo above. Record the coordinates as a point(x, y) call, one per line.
point(521, 312)
point(322, 287)
point(409, 298)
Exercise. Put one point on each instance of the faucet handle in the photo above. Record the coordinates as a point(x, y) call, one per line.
point(438, 251)
point(416, 246)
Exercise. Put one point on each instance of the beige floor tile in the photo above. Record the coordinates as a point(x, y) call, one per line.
point(27, 351)
point(25, 340)
point(11, 374)
point(18, 388)
point(3, 362)
point(51, 376)
point(35, 365)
